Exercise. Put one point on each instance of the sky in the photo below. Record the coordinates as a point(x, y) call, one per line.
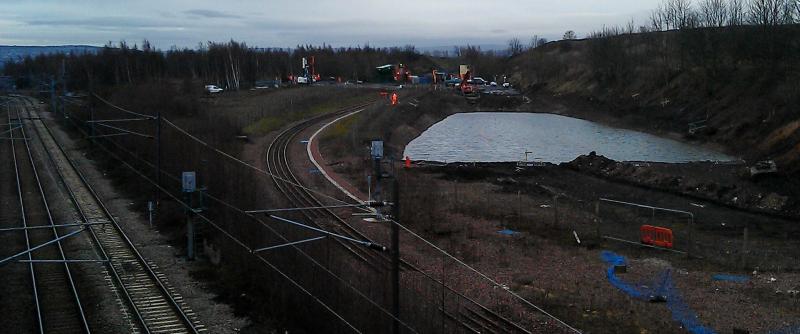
point(267, 23)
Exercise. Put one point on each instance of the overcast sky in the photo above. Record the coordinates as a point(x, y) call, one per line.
point(267, 23)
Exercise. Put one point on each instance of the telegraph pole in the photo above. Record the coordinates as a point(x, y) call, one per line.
point(396, 257)
point(376, 151)
point(53, 95)
point(158, 158)
point(91, 112)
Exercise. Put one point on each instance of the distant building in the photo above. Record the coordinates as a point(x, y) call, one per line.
point(7, 84)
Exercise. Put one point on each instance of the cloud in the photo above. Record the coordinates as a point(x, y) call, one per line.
point(279, 23)
point(104, 22)
point(211, 14)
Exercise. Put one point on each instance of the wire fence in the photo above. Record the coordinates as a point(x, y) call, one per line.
point(734, 239)
point(317, 280)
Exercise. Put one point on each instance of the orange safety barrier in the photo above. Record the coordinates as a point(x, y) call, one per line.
point(656, 236)
point(394, 99)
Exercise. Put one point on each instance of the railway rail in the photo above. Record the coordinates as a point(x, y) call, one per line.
point(472, 318)
point(55, 295)
point(469, 316)
point(155, 306)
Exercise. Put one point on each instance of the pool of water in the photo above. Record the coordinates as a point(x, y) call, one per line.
point(501, 136)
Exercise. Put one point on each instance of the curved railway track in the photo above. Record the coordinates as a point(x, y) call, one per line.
point(473, 318)
point(278, 165)
point(154, 305)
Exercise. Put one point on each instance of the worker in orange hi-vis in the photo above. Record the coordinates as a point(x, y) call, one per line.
point(394, 99)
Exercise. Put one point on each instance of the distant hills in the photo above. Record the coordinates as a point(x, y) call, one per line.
point(450, 49)
point(18, 52)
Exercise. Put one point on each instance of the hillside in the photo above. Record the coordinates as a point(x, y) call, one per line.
point(742, 81)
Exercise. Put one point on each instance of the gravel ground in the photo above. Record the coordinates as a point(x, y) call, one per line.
point(156, 248)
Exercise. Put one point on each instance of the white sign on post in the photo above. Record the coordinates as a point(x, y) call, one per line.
point(377, 149)
point(189, 183)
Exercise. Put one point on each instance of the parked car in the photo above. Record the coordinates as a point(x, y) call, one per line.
point(479, 81)
point(506, 85)
point(452, 82)
point(213, 89)
point(493, 84)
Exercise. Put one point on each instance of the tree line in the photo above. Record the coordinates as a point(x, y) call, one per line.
point(233, 65)
point(712, 37)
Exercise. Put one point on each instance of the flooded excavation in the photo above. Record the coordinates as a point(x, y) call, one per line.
point(503, 137)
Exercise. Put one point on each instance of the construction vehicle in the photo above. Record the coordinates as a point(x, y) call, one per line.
point(401, 74)
point(308, 77)
point(466, 84)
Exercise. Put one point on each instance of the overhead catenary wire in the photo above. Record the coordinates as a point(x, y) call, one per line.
point(240, 243)
point(202, 142)
point(260, 170)
point(126, 131)
point(306, 208)
point(52, 224)
point(289, 244)
point(261, 222)
point(484, 276)
point(122, 109)
point(32, 272)
point(360, 242)
point(250, 250)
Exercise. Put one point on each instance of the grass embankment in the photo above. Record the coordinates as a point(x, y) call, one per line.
point(268, 124)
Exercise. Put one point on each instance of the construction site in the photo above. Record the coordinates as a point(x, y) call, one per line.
point(635, 181)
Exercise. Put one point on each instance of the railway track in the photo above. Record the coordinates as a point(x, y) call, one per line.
point(55, 295)
point(280, 169)
point(154, 305)
point(473, 318)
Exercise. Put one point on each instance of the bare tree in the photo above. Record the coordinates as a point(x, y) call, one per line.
point(515, 47)
point(681, 13)
point(767, 12)
point(797, 11)
point(570, 35)
point(714, 13)
point(630, 28)
point(791, 9)
point(735, 12)
point(537, 41)
point(657, 19)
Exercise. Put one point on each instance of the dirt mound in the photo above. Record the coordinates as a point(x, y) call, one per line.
point(727, 185)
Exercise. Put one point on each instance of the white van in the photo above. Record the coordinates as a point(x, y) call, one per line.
point(213, 89)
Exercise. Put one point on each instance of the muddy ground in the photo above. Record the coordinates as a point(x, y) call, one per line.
point(463, 206)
